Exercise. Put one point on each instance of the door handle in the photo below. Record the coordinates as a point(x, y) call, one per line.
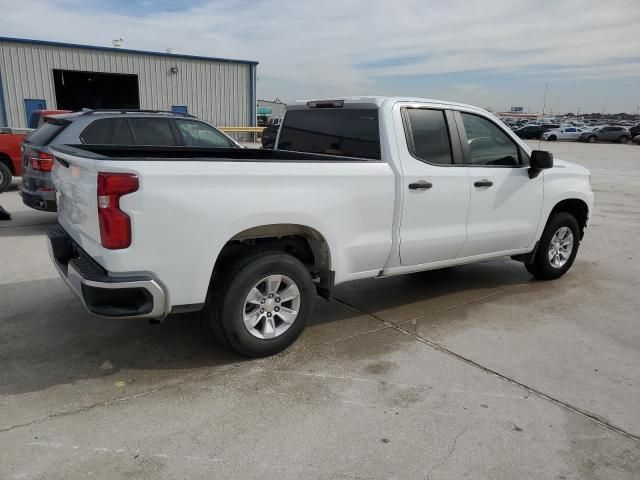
point(420, 186)
point(483, 183)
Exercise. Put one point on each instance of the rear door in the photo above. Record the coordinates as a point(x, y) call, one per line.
point(505, 203)
point(436, 190)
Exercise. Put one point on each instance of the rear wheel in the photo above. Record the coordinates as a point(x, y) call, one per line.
point(557, 248)
point(5, 177)
point(592, 139)
point(623, 139)
point(261, 305)
point(553, 138)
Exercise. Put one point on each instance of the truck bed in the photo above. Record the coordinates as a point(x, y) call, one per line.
point(199, 154)
point(192, 201)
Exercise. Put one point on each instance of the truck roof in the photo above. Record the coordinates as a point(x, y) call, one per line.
point(378, 101)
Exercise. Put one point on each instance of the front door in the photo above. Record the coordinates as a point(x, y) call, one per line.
point(435, 190)
point(505, 203)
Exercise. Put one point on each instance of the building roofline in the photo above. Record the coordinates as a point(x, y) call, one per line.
point(124, 50)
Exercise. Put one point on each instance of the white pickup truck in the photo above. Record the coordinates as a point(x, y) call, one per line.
point(356, 188)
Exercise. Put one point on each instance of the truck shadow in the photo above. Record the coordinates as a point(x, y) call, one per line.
point(47, 339)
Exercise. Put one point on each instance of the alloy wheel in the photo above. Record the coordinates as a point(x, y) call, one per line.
point(271, 306)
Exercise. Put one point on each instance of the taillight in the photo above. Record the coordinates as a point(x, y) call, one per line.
point(41, 161)
point(115, 225)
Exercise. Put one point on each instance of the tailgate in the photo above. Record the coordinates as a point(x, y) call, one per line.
point(75, 180)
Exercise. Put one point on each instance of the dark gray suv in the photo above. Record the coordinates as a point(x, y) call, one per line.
point(607, 134)
point(107, 127)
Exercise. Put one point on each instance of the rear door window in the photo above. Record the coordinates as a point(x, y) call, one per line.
point(107, 131)
point(152, 131)
point(198, 134)
point(428, 136)
point(332, 131)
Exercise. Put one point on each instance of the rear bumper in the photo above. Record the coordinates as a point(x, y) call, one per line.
point(45, 201)
point(103, 294)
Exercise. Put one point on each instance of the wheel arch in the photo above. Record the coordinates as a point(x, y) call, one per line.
point(301, 241)
point(576, 207)
point(5, 159)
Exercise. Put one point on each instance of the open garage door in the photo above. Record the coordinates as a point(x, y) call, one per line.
point(77, 90)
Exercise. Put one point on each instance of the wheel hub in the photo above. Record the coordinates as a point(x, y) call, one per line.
point(560, 247)
point(271, 306)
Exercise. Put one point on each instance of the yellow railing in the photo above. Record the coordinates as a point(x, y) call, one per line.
point(242, 129)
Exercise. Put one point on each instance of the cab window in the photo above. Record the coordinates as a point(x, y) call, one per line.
point(487, 143)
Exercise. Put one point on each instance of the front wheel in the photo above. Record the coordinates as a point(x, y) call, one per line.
point(623, 139)
point(557, 248)
point(262, 304)
point(553, 138)
point(592, 139)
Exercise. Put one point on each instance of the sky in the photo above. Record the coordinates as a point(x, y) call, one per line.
point(492, 53)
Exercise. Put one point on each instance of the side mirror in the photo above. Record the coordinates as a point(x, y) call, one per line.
point(540, 160)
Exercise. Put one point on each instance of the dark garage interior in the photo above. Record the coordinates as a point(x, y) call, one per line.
point(77, 90)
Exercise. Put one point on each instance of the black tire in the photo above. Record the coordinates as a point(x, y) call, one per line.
point(623, 139)
point(5, 177)
point(541, 267)
point(553, 138)
point(224, 309)
point(592, 139)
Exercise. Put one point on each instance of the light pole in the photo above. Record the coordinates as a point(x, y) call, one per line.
point(637, 110)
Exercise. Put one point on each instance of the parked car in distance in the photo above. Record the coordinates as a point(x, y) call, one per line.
point(635, 131)
point(606, 134)
point(564, 133)
point(268, 137)
point(363, 187)
point(636, 139)
point(534, 131)
point(107, 127)
point(10, 157)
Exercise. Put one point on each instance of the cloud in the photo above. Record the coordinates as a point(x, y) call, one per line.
point(354, 47)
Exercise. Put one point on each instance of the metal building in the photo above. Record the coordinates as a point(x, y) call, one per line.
point(37, 75)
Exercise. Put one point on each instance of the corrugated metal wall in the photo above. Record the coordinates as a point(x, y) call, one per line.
point(277, 108)
point(221, 92)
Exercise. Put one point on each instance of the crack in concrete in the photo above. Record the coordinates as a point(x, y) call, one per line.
point(591, 416)
point(225, 370)
point(448, 455)
point(80, 409)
